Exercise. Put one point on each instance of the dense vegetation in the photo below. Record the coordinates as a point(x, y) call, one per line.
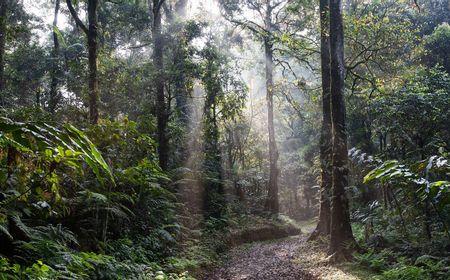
point(143, 139)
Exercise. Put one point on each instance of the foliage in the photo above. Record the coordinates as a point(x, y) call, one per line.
point(405, 272)
point(379, 37)
point(86, 266)
point(423, 96)
point(435, 47)
point(137, 195)
point(54, 143)
point(399, 175)
point(36, 159)
point(225, 97)
point(37, 271)
point(392, 267)
point(373, 260)
point(93, 203)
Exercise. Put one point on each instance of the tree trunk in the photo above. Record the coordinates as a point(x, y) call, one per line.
point(91, 33)
point(3, 19)
point(341, 240)
point(93, 53)
point(53, 102)
point(214, 189)
point(161, 110)
point(272, 203)
point(323, 226)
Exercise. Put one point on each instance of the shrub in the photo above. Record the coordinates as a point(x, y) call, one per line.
point(375, 261)
point(405, 272)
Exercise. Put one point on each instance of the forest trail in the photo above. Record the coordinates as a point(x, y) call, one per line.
point(263, 261)
point(283, 259)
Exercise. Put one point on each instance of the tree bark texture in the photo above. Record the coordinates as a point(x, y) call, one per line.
point(54, 96)
point(272, 203)
point(161, 106)
point(341, 236)
point(323, 226)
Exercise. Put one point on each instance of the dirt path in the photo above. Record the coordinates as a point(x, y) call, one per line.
point(284, 259)
point(264, 261)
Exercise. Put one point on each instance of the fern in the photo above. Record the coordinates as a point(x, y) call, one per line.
point(40, 137)
point(4, 231)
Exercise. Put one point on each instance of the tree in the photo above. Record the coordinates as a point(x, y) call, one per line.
point(269, 13)
point(272, 203)
point(414, 118)
point(430, 14)
point(436, 46)
point(179, 63)
point(214, 188)
point(3, 19)
point(179, 35)
point(161, 105)
point(91, 32)
point(127, 87)
point(53, 100)
point(323, 226)
point(341, 236)
point(378, 44)
point(225, 96)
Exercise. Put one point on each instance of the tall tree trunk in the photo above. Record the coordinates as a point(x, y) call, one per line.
point(214, 189)
point(3, 19)
point(93, 53)
point(54, 96)
point(161, 107)
point(341, 239)
point(323, 226)
point(272, 203)
point(91, 33)
point(175, 14)
point(214, 200)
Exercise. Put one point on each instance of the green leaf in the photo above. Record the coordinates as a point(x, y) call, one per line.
point(4, 231)
point(60, 36)
point(90, 150)
point(46, 139)
point(381, 170)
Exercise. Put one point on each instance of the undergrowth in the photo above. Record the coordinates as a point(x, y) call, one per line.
point(392, 265)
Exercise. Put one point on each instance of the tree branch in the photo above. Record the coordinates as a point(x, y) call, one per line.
point(75, 17)
point(159, 5)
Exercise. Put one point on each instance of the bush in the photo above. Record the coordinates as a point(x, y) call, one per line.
point(375, 261)
point(405, 272)
point(38, 270)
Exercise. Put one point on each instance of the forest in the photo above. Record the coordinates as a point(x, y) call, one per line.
point(225, 139)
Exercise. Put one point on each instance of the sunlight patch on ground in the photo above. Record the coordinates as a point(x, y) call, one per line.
point(312, 257)
point(307, 226)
